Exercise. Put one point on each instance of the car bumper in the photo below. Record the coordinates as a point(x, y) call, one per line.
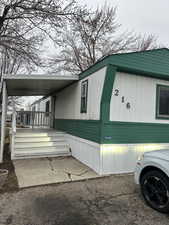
point(137, 173)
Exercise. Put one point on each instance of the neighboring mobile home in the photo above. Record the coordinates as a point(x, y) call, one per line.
point(42, 105)
point(115, 110)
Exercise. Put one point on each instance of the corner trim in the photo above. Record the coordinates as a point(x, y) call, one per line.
point(107, 93)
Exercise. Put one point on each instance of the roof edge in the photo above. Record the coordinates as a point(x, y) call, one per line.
point(107, 60)
point(142, 73)
point(39, 77)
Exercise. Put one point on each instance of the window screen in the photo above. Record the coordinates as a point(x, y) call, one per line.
point(84, 93)
point(163, 101)
point(47, 108)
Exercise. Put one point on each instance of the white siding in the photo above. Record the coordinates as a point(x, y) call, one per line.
point(140, 92)
point(41, 105)
point(68, 101)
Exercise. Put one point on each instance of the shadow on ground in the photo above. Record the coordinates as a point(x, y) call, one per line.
point(113, 200)
point(11, 183)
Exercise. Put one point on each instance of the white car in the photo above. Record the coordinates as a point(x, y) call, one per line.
point(152, 174)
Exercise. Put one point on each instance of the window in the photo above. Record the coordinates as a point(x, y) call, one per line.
point(34, 108)
point(162, 110)
point(47, 108)
point(84, 93)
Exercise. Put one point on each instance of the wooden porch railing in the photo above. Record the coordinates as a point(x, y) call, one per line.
point(34, 118)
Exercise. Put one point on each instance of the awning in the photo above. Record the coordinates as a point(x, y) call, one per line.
point(36, 85)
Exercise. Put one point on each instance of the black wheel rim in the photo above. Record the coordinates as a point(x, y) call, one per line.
point(156, 192)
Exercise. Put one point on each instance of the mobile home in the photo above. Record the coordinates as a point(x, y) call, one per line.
point(115, 110)
point(118, 109)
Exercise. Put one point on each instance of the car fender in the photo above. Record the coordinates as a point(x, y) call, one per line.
point(159, 163)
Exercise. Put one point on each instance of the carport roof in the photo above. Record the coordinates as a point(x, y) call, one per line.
point(34, 85)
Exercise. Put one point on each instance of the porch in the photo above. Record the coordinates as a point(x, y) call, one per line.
point(38, 143)
point(37, 138)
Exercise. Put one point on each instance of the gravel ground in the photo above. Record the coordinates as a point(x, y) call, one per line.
point(113, 200)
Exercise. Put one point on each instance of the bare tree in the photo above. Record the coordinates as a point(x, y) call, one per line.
point(91, 37)
point(12, 63)
point(25, 23)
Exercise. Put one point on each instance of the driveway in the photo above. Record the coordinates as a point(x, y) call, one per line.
point(111, 200)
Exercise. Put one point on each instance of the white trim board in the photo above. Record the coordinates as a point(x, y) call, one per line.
point(39, 77)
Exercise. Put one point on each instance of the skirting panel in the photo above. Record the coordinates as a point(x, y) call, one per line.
point(85, 151)
point(110, 158)
point(121, 158)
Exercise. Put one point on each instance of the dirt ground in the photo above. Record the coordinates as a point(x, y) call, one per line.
point(113, 200)
point(11, 184)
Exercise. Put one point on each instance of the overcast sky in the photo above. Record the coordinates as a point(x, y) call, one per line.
point(142, 16)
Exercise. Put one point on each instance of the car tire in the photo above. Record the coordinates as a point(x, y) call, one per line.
point(155, 190)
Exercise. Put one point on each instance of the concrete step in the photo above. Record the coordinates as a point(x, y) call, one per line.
point(38, 139)
point(40, 134)
point(43, 151)
point(41, 144)
point(25, 154)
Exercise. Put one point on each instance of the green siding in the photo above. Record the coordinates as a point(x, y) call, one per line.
point(149, 63)
point(152, 63)
point(92, 69)
point(127, 132)
point(86, 129)
point(115, 132)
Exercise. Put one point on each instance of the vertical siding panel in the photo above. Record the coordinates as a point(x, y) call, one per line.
point(68, 100)
point(140, 92)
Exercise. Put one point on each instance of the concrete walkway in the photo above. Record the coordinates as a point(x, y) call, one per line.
point(34, 172)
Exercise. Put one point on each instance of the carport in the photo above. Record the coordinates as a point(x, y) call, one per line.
point(28, 85)
point(39, 170)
